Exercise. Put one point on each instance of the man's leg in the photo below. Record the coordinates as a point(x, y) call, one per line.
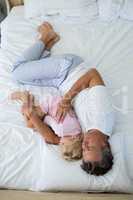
point(35, 51)
point(30, 70)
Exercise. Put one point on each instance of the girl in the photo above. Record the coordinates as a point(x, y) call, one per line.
point(43, 118)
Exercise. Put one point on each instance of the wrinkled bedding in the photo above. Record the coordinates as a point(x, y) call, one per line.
point(26, 161)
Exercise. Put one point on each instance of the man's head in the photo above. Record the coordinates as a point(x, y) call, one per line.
point(97, 156)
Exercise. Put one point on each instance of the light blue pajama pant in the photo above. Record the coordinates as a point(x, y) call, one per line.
point(37, 67)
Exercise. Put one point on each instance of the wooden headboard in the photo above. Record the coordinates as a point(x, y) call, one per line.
point(15, 2)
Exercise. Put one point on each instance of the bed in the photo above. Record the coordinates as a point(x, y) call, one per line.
point(27, 162)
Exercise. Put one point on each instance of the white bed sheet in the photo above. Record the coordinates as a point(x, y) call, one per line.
point(26, 162)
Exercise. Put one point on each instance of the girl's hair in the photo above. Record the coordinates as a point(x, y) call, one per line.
point(73, 150)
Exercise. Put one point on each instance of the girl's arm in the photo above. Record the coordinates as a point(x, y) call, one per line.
point(46, 132)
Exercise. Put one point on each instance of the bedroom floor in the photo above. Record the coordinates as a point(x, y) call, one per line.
point(25, 195)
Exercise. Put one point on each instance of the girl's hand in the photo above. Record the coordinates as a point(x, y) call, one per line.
point(27, 110)
point(29, 123)
point(63, 108)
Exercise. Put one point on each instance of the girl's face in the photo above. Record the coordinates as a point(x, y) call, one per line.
point(65, 140)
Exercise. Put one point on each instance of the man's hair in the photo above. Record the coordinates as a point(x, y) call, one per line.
point(100, 167)
point(73, 150)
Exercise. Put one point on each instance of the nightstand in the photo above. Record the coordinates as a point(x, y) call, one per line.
point(1, 18)
point(4, 10)
point(7, 6)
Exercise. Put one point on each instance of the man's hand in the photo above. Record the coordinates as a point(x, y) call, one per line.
point(63, 108)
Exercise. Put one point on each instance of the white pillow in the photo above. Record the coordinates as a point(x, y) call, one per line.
point(34, 8)
point(127, 10)
point(109, 9)
point(66, 176)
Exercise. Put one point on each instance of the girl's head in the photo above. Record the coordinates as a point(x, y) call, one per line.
point(71, 147)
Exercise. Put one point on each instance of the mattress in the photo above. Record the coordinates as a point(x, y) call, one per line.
point(26, 161)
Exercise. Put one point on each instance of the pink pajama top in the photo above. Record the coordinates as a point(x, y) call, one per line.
point(69, 127)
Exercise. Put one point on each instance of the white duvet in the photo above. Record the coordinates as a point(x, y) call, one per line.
point(26, 162)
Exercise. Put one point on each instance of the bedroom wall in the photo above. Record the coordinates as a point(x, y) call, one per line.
point(3, 10)
point(15, 2)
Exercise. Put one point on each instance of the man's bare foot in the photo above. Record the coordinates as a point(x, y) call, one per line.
point(46, 32)
point(47, 24)
point(52, 37)
point(51, 43)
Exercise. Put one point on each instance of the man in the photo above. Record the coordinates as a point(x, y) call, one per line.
point(93, 105)
point(96, 115)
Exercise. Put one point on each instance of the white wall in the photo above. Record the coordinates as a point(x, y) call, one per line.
point(3, 5)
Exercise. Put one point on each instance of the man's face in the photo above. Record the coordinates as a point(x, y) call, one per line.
point(92, 146)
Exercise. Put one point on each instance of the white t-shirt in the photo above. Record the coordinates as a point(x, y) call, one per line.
point(94, 109)
point(93, 106)
point(73, 75)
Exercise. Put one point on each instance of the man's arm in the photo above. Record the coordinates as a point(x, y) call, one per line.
point(49, 136)
point(88, 80)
